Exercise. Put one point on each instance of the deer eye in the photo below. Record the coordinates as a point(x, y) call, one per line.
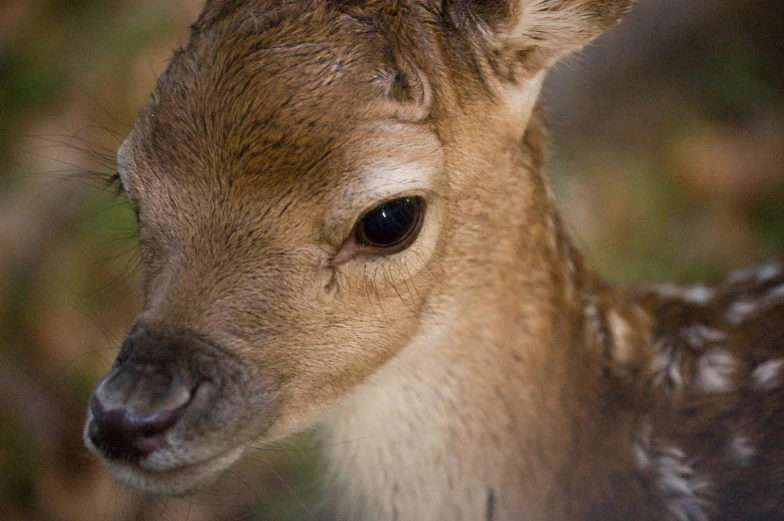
point(391, 226)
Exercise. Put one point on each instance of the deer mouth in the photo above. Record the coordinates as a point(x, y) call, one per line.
point(152, 477)
point(168, 465)
point(170, 415)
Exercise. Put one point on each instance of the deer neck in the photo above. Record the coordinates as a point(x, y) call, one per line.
point(481, 415)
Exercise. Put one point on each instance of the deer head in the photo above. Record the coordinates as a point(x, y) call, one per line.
point(312, 181)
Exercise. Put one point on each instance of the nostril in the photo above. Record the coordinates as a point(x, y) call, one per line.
point(124, 420)
point(124, 435)
point(133, 408)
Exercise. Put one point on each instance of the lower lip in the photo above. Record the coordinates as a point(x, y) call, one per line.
point(169, 474)
point(176, 481)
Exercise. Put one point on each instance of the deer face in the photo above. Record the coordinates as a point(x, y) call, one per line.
point(305, 184)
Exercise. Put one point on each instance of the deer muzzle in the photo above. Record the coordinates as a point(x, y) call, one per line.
point(172, 412)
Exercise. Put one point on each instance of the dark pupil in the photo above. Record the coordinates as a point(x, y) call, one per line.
point(389, 223)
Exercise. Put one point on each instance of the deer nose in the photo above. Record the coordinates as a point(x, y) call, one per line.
point(133, 408)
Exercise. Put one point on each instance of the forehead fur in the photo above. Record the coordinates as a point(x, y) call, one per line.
point(270, 88)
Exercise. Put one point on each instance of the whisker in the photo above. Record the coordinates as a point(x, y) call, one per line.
point(291, 490)
point(106, 112)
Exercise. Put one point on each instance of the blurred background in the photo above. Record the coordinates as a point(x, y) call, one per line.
point(668, 157)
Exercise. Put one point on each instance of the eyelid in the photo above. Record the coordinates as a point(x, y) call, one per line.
point(380, 182)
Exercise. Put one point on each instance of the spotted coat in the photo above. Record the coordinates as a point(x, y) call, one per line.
point(712, 433)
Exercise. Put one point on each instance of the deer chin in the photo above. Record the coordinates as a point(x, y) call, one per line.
point(152, 477)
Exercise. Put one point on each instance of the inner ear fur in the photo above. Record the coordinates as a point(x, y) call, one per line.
point(546, 29)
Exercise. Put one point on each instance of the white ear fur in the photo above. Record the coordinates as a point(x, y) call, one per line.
point(538, 24)
point(553, 28)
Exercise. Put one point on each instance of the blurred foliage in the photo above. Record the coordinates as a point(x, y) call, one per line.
point(669, 141)
point(668, 162)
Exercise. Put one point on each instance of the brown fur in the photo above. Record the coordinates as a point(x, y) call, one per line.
point(484, 373)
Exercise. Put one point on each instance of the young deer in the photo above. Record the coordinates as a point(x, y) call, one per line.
point(343, 222)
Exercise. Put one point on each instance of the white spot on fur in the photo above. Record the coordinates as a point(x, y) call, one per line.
point(618, 326)
point(769, 272)
point(715, 370)
point(766, 376)
point(697, 294)
point(699, 335)
point(740, 311)
point(775, 294)
point(742, 450)
point(683, 490)
point(760, 274)
point(666, 365)
point(622, 334)
point(552, 234)
point(593, 323)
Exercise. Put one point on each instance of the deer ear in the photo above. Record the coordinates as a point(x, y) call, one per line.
point(549, 29)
